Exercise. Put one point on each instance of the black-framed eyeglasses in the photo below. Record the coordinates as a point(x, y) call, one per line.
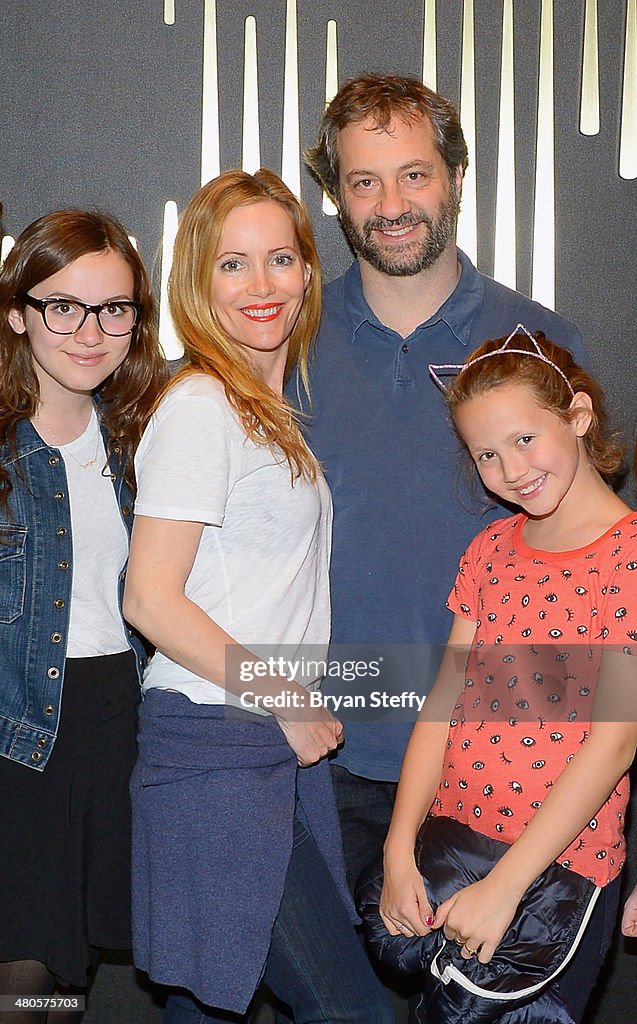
point(66, 316)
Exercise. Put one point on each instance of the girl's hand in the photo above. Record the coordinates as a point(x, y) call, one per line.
point(479, 915)
point(314, 739)
point(404, 906)
point(629, 917)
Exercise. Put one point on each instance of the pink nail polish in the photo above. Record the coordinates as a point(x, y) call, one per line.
point(429, 921)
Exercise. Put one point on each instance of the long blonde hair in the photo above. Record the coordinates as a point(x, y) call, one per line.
point(267, 417)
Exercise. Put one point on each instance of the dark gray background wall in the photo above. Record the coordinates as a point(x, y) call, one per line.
point(101, 106)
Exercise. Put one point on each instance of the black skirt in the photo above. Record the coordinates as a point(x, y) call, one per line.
point(65, 832)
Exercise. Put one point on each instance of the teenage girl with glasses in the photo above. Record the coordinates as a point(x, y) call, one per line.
point(79, 369)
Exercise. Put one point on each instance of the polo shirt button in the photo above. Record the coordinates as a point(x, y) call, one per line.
point(63, 564)
point(405, 348)
point(61, 531)
point(56, 637)
point(54, 460)
point(52, 673)
point(58, 603)
point(49, 709)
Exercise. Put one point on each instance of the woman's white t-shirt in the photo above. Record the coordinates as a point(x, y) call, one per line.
point(100, 548)
point(261, 569)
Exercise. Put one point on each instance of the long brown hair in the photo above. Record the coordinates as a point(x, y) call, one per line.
point(45, 247)
point(266, 417)
point(479, 376)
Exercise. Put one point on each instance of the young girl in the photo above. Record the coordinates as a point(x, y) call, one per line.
point(79, 369)
point(546, 604)
point(237, 868)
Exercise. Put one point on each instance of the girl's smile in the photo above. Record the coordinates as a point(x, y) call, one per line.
point(532, 489)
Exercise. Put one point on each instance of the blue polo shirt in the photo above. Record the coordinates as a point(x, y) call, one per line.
point(404, 510)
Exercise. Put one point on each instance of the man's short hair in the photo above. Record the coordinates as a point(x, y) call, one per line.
point(383, 98)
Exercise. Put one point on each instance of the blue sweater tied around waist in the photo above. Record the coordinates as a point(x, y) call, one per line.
point(214, 794)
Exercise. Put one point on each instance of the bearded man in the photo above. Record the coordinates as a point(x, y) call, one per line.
point(392, 155)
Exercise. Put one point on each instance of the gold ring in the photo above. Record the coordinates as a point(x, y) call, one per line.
point(459, 940)
point(471, 952)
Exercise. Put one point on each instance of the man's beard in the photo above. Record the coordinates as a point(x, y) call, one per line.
point(409, 258)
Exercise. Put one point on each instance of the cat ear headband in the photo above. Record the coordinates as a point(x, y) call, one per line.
point(434, 368)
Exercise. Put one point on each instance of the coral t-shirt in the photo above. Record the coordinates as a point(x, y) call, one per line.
point(544, 619)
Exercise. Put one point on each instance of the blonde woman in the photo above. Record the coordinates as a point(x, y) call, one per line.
point(237, 861)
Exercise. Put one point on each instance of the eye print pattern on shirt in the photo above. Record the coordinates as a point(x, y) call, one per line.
point(543, 621)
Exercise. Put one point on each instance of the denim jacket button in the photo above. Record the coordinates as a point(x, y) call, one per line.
point(49, 709)
point(56, 637)
point(54, 460)
point(58, 603)
point(36, 755)
point(63, 565)
point(52, 673)
point(42, 742)
point(61, 531)
point(126, 510)
point(59, 495)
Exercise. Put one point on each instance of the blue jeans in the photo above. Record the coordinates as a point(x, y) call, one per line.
point(364, 808)
point(315, 964)
point(577, 982)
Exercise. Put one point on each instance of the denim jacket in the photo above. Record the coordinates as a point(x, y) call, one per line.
point(36, 574)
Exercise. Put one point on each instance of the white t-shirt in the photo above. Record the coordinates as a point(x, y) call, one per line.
point(261, 569)
point(100, 548)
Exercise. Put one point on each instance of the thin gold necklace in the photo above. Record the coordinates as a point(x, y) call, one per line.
point(91, 462)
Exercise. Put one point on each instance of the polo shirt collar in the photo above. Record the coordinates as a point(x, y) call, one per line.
point(457, 312)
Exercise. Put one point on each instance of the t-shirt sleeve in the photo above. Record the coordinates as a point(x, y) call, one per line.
point(617, 627)
point(464, 598)
point(185, 465)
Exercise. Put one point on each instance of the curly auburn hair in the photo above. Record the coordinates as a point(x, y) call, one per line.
point(478, 376)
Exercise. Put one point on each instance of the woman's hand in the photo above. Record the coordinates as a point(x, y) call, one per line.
point(477, 917)
point(313, 736)
point(404, 906)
